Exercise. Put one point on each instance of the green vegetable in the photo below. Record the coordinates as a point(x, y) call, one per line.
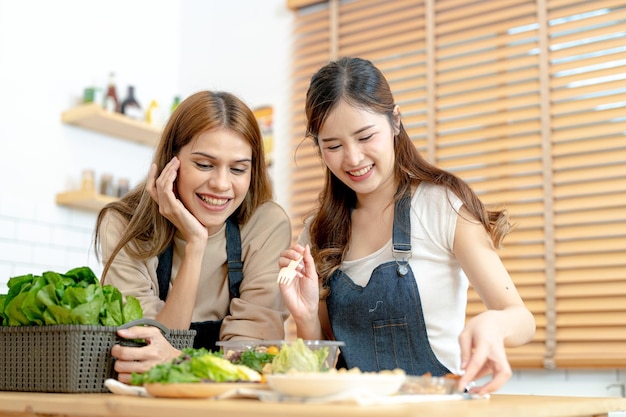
point(196, 365)
point(255, 360)
point(2, 298)
point(297, 356)
point(131, 310)
point(76, 297)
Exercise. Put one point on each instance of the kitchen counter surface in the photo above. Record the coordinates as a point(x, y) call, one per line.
point(29, 404)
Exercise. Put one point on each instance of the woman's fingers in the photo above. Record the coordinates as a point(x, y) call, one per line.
point(140, 332)
point(140, 359)
point(289, 255)
point(480, 359)
point(166, 179)
point(161, 186)
point(309, 263)
point(124, 377)
point(151, 183)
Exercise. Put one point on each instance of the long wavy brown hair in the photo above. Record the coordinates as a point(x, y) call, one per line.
point(358, 82)
point(148, 230)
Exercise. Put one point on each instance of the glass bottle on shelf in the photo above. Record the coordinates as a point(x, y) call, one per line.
point(106, 185)
point(111, 102)
point(175, 104)
point(130, 106)
point(88, 183)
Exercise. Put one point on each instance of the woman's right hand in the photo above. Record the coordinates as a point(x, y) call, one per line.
point(162, 189)
point(140, 359)
point(301, 295)
point(178, 309)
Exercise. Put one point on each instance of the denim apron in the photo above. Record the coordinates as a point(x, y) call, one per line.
point(382, 324)
point(207, 332)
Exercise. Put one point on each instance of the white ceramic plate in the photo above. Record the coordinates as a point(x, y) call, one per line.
point(323, 384)
point(198, 389)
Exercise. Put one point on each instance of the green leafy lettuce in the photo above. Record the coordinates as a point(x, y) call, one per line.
point(255, 360)
point(76, 297)
point(196, 365)
point(296, 356)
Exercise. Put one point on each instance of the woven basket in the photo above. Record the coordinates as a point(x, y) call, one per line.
point(67, 358)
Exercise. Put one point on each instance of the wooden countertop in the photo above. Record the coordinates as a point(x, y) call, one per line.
point(28, 404)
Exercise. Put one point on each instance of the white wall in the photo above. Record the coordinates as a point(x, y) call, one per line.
point(242, 46)
point(51, 50)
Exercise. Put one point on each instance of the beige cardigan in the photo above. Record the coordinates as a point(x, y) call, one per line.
point(259, 312)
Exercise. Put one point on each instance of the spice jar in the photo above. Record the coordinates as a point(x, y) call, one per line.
point(87, 181)
point(122, 186)
point(106, 185)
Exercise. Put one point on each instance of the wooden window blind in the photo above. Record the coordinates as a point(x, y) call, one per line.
point(587, 65)
point(311, 50)
point(488, 132)
point(526, 101)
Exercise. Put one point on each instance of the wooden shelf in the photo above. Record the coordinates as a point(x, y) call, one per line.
point(93, 116)
point(85, 200)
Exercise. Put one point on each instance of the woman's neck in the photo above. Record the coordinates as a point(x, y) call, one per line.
point(377, 201)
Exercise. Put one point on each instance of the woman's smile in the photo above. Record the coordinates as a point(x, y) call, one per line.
point(214, 202)
point(362, 173)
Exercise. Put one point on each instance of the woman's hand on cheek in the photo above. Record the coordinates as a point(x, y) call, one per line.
point(163, 191)
point(161, 186)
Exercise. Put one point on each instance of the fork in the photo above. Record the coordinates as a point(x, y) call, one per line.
point(288, 273)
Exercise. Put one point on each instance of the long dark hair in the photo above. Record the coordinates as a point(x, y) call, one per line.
point(147, 229)
point(359, 83)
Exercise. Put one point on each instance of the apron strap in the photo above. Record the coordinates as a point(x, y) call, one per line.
point(233, 253)
point(164, 271)
point(402, 233)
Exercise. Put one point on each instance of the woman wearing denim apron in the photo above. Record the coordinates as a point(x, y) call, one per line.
point(394, 243)
point(198, 242)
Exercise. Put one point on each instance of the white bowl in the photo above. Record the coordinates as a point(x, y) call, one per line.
point(323, 384)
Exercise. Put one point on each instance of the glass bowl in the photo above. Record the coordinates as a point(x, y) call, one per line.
point(233, 348)
point(426, 384)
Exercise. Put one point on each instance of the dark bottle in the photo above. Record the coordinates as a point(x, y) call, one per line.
point(111, 103)
point(122, 187)
point(130, 107)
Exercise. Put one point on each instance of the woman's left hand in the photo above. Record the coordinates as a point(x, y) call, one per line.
point(483, 353)
point(506, 323)
point(141, 359)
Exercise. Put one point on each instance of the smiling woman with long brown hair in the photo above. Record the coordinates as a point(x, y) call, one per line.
point(198, 242)
point(391, 248)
